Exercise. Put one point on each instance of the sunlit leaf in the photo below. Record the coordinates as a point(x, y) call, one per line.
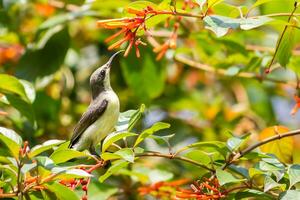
point(154, 128)
point(285, 45)
point(294, 174)
point(126, 154)
point(113, 137)
point(290, 195)
point(114, 168)
point(214, 145)
point(29, 90)
point(260, 2)
point(71, 173)
point(45, 162)
point(220, 25)
point(10, 84)
point(212, 3)
point(225, 177)
point(11, 140)
point(62, 192)
point(234, 143)
point(128, 119)
point(199, 156)
point(269, 184)
point(44, 147)
point(250, 23)
point(251, 193)
point(282, 148)
point(109, 156)
point(98, 190)
point(65, 155)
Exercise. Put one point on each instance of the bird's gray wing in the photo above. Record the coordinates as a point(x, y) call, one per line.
point(89, 117)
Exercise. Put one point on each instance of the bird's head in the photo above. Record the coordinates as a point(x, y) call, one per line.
point(100, 80)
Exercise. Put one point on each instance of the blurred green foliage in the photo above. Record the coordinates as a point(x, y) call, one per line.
point(48, 49)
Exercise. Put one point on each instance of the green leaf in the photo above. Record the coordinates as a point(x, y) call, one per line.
point(116, 166)
point(45, 162)
point(234, 143)
point(220, 24)
point(225, 177)
point(22, 106)
point(62, 19)
point(199, 156)
point(214, 145)
point(260, 2)
point(27, 167)
point(113, 137)
point(70, 173)
point(109, 156)
point(29, 90)
point(32, 64)
point(145, 76)
point(162, 139)
point(140, 5)
point(61, 156)
point(36, 150)
point(269, 184)
point(285, 46)
point(128, 119)
point(250, 23)
point(62, 192)
point(294, 174)
point(146, 133)
point(11, 85)
point(98, 190)
point(212, 3)
point(240, 170)
point(290, 195)
point(250, 193)
point(253, 172)
point(126, 154)
point(11, 140)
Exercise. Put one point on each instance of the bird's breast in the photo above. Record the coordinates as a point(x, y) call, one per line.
point(106, 123)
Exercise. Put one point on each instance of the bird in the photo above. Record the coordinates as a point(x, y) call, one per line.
point(102, 113)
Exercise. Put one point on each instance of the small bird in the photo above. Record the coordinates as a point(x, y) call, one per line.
point(102, 114)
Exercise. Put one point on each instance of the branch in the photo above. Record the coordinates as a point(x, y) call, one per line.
point(171, 156)
point(7, 195)
point(268, 49)
point(281, 36)
point(223, 72)
point(258, 144)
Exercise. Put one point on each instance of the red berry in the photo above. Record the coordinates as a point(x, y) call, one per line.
point(83, 182)
point(84, 188)
point(84, 197)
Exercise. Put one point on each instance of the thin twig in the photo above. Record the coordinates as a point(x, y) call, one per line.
point(7, 195)
point(268, 49)
point(258, 144)
point(281, 36)
point(223, 72)
point(170, 156)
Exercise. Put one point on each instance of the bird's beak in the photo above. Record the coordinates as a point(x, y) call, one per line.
point(112, 57)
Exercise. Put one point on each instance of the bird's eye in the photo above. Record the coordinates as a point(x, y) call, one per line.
point(102, 72)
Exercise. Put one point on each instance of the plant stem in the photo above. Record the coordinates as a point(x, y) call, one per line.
point(258, 144)
point(282, 34)
point(223, 72)
point(8, 195)
point(171, 156)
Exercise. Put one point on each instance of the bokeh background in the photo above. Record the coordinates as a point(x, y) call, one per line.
point(56, 45)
